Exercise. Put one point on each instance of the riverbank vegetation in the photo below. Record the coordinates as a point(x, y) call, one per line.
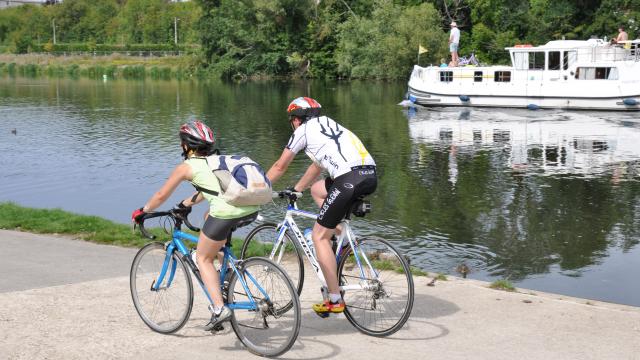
point(112, 66)
point(308, 38)
point(99, 230)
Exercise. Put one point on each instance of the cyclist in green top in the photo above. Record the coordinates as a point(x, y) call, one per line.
point(197, 142)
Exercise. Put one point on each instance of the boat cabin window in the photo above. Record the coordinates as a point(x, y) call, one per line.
point(597, 73)
point(570, 57)
point(554, 60)
point(446, 76)
point(521, 60)
point(536, 60)
point(477, 76)
point(502, 76)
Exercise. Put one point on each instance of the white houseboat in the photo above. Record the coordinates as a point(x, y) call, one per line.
point(565, 74)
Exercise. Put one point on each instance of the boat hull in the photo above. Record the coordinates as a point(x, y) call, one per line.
point(426, 98)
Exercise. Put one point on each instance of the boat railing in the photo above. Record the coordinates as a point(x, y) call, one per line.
point(622, 51)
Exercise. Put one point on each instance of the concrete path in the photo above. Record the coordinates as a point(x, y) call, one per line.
point(68, 299)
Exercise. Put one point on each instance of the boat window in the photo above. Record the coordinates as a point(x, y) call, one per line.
point(502, 76)
point(597, 73)
point(570, 58)
point(477, 76)
point(554, 60)
point(446, 76)
point(536, 60)
point(521, 60)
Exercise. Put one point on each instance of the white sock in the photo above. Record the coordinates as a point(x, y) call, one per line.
point(217, 310)
point(334, 298)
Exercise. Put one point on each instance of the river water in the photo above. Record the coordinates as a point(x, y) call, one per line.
point(546, 199)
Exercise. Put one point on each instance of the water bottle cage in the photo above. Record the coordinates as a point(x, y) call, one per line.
point(361, 207)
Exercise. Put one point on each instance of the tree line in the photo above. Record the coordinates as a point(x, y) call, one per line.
point(319, 38)
point(28, 28)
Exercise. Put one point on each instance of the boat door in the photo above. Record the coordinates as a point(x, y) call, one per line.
point(554, 66)
point(535, 76)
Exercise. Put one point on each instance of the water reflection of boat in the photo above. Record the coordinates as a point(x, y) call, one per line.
point(556, 143)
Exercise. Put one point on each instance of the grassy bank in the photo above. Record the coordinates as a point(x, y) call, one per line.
point(99, 230)
point(90, 228)
point(113, 66)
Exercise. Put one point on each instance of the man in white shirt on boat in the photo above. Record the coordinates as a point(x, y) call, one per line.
point(454, 40)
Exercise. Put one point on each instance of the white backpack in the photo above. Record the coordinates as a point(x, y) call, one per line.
point(242, 180)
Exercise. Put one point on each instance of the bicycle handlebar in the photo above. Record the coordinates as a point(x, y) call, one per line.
point(179, 215)
point(291, 195)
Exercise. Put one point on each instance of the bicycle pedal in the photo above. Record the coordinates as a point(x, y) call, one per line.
point(217, 328)
point(323, 315)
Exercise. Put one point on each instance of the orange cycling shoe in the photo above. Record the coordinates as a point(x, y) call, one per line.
point(327, 307)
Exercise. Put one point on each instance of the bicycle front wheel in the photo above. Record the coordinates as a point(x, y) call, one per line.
point(271, 326)
point(166, 309)
point(379, 287)
point(260, 242)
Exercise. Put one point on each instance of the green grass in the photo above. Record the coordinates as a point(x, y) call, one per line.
point(90, 228)
point(441, 277)
point(502, 285)
point(99, 230)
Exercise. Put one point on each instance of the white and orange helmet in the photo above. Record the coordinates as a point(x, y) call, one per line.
point(304, 108)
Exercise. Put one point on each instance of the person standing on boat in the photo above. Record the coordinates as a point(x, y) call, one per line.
point(622, 35)
point(454, 40)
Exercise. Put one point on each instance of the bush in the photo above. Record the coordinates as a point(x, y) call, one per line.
point(11, 69)
point(73, 70)
point(134, 72)
point(29, 70)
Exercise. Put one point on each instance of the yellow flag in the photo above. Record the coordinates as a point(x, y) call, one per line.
point(422, 49)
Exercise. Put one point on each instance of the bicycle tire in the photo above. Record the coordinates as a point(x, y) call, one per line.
point(145, 269)
point(263, 237)
point(268, 331)
point(371, 310)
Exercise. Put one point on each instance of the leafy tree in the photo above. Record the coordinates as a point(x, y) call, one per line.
point(84, 20)
point(613, 13)
point(385, 45)
point(253, 37)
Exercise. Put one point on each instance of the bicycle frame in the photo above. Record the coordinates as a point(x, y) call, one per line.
point(347, 234)
point(229, 260)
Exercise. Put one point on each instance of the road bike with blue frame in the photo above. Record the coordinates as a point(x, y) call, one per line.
point(265, 304)
point(375, 279)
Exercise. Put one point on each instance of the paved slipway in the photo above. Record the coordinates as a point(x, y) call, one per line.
point(69, 299)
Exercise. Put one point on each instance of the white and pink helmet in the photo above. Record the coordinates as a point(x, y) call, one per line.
point(198, 136)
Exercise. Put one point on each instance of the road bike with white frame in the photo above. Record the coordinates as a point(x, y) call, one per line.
point(375, 279)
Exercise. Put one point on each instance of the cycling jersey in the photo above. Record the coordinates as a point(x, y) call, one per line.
point(330, 145)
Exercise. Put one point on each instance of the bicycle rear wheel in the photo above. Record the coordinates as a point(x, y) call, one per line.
point(272, 328)
point(167, 309)
point(384, 301)
point(260, 242)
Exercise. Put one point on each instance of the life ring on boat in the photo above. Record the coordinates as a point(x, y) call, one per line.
point(464, 98)
point(523, 45)
point(630, 102)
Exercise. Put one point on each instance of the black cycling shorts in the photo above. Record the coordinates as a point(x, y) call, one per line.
point(343, 191)
point(219, 229)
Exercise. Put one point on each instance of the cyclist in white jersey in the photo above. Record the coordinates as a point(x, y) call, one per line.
point(352, 174)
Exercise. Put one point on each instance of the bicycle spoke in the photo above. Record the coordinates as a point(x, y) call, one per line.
point(167, 309)
point(384, 303)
